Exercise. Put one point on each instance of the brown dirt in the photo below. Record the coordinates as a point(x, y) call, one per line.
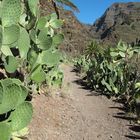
point(79, 116)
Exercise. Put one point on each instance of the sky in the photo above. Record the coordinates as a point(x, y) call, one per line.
point(90, 10)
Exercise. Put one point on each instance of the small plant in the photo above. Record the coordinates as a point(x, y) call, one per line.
point(82, 64)
point(93, 49)
point(136, 100)
point(55, 77)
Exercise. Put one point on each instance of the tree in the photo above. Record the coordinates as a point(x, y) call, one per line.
point(68, 3)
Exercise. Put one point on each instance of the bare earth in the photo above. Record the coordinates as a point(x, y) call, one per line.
point(78, 116)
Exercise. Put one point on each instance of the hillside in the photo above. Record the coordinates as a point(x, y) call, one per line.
point(120, 21)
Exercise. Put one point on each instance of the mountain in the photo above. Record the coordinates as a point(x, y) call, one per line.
point(120, 21)
point(77, 34)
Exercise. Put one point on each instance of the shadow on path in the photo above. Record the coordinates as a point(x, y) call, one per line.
point(134, 128)
point(133, 137)
point(83, 85)
point(121, 114)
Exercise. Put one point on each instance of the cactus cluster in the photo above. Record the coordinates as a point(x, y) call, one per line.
point(113, 72)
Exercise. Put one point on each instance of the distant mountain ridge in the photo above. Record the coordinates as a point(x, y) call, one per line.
point(120, 21)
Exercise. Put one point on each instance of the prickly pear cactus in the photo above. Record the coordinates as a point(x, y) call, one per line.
point(12, 97)
point(28, 47)
point(34, 37)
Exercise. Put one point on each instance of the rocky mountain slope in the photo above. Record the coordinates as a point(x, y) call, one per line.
point(120, 21)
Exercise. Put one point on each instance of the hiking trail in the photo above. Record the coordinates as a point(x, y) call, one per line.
point(79, 115)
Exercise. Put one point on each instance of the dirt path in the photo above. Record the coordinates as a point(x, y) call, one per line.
point(79, 116)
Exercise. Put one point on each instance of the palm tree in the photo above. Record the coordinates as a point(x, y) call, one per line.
point(68, 3)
